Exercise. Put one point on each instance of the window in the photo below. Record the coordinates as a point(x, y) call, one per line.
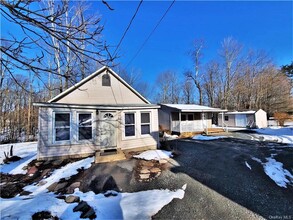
point(85, 126)
point(183, 117)
point(226, 118)
point(129, 125)
point(106, 80)
point(190, 117)
point(187, 117)
point(145, 123)
point(62, 126)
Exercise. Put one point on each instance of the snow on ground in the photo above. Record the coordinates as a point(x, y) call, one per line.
point(275, 134)
point(249, 167)
point(154, 155)
point(276, 172)
point(64, 172)
point(27, 151)
point(138, 205)
point(206, 138)
point(169, 137)
point(23, 207)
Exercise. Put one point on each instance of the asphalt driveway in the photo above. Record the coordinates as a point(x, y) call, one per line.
point(220, 166)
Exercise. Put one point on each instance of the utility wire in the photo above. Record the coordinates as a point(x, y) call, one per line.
point(146, 40)
point(126, 30)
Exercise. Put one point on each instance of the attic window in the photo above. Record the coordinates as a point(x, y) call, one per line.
point(106, 80)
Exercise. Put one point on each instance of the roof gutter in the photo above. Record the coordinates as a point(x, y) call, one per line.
point(100, 107)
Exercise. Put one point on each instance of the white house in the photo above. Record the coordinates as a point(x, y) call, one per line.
point(186, 117)
point(100, 112)
point(243, 119)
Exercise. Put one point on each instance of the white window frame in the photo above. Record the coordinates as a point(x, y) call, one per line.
point(135, 125)
point(54, 128)
point(77, 126)
point(150, 123)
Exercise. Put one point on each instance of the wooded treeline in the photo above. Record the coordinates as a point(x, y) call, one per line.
point(239, 79)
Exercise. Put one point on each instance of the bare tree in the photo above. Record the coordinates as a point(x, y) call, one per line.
point(229, 52)
point(168, 88)
point(212, 84)
point(188, 92)
point(196, 54)
point(50, 31)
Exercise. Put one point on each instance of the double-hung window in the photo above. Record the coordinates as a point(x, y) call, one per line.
point(145, 123)
point(85, 129)
point(62, 127)
point(129, 124)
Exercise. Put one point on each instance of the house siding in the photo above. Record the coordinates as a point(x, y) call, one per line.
point(48, 149)
point(139, 140)
point(92, 92)
point(230, 123)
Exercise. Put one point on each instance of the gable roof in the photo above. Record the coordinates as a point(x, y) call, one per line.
point(85, 80)
point(193, 108)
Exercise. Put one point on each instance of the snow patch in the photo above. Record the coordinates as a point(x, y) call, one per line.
point(138, 205)
point(154, 155)
point(206, 138)
point(247, 165)
point(276, 172)
point(64, 172)
point(275, 134)
point(169, 137)
point(27, 151)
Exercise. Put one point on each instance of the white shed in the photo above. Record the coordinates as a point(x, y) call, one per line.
point(251, 119)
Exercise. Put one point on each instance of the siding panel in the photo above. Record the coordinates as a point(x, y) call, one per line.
point(92, 92)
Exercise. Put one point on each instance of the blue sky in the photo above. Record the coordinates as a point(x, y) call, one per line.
point(265, 25)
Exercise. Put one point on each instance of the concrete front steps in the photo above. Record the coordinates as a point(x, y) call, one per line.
point(109, 155)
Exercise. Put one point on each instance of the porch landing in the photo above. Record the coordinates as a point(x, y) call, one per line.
point(110, 155)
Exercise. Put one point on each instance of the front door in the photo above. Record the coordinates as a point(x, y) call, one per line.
point(108, 129)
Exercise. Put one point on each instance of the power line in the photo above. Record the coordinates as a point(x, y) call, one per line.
point(146, 40)
point(126, 30)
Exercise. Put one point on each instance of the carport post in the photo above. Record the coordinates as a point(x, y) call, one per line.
point(179, 121)
point(222, 120)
